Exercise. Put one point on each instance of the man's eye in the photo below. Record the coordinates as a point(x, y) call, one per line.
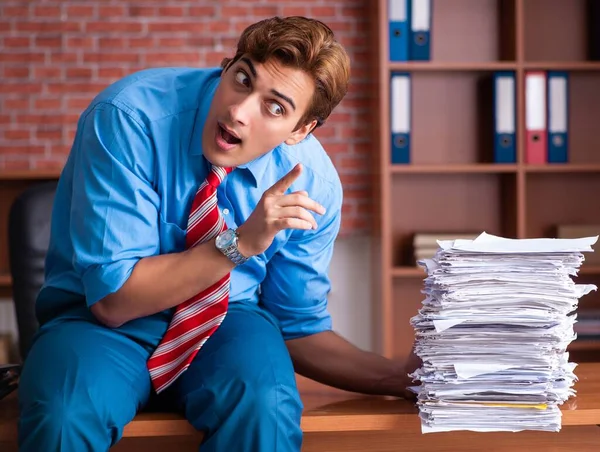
point(242, 78)
point(275, 108)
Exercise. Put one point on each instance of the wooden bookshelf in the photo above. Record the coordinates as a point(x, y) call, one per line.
point(452, 184)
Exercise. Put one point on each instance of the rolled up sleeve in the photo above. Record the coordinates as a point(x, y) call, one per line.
point(114, 213)
point(297, 282)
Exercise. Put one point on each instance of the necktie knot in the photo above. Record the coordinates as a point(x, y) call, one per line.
point(217, 175)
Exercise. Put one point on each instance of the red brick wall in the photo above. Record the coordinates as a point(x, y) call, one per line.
point(55, 55)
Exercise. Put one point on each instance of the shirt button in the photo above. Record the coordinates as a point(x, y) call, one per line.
point(225, 211)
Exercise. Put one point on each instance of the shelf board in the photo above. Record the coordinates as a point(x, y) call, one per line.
point(584, 344)
point(5, 280)
point(495, 168)
point(443, 66)
point(409, 271)
point(454, 168)
point(563, 65)
point(32, 174)
point(452, 66)
point(589, 269)
point(563, 168)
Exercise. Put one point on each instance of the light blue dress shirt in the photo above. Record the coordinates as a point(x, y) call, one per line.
point(126, 191)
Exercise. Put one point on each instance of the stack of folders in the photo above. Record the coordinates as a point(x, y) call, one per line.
point(493, 332)
point(546, 117)
point(409, 30)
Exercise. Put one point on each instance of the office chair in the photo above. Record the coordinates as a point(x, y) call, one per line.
point(28, 240)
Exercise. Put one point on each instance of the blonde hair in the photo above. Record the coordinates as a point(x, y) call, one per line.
point(302, 43)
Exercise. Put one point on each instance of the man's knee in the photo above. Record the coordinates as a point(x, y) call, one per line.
point(273, 399)
point(262, 397)
point(240, 398)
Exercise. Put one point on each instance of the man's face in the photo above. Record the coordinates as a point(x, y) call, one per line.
point(256, 107)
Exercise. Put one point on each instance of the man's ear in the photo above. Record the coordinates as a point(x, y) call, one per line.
point(300, 133)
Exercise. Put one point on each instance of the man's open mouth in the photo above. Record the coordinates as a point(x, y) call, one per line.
point(228, 137)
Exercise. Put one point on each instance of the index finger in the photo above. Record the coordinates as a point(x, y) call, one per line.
point(286, 181)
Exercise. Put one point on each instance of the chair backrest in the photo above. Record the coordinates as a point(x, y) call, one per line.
point(28, 238)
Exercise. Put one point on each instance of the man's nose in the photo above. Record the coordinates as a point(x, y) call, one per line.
point(240, 111)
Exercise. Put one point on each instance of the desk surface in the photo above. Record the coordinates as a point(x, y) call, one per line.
point(344, 412)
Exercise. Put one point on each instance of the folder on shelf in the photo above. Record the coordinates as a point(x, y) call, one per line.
point(535, 117)
point(400, 104)
point(558, 117)
point(420, 30)
point(398, 29)
point(505, 150)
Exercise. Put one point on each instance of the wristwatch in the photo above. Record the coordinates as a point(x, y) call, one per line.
point(227, 243)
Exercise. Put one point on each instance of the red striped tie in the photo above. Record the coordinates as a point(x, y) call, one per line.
point(196, 319)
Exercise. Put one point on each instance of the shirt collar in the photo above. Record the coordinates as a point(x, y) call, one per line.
point(258, 166)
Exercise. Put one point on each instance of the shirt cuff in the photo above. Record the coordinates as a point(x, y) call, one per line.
point(102, 280)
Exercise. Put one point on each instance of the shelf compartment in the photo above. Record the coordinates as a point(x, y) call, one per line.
point(406, 302)
point(458, 106)
point(449, 203)
point(556, 30)
point(583, 113)
point(560, 198)
point(473, 30)
point(584, 106)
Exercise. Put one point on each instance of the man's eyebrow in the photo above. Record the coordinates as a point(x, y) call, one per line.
point(273, 91)
point(284, 97)
point(250, 65)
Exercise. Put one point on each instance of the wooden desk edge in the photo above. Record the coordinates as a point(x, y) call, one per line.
point(330, 423)
point(153, 426)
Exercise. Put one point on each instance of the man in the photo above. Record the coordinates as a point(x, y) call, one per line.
point(217, 324)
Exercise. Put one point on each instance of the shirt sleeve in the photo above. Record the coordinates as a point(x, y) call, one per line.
point(114, 213)
point(297, 282)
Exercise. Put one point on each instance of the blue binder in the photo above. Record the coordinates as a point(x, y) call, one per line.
point(558, 117)
point(400, 106)
point(505, 123)
point(398, 30)
point(420, 30)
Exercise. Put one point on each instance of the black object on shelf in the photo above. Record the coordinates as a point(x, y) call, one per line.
point(9, 378)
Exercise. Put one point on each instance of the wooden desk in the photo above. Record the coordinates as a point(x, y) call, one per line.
point(354, 422)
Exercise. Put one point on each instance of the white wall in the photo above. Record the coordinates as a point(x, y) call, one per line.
point(350, 297)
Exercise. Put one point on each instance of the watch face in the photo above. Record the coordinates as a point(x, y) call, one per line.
point(225, 239)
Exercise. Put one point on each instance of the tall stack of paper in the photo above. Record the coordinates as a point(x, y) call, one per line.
point(493, 332)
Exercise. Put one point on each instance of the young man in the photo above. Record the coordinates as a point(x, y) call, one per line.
point(154, 286)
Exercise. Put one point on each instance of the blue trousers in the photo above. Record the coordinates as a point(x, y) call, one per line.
point(83, 382)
